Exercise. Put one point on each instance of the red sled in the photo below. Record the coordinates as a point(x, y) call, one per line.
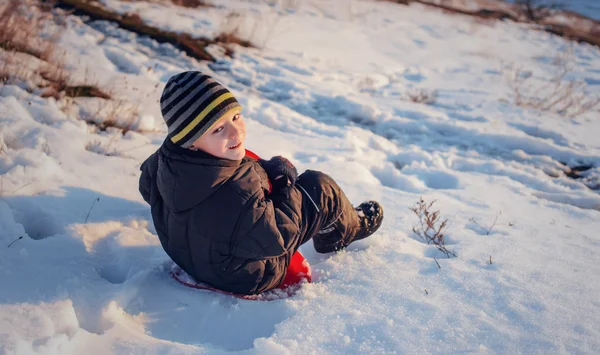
point(298, 272)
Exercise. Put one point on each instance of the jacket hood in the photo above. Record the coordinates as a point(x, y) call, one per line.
point(186, 177)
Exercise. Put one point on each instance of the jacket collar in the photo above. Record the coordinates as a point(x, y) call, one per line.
point(186, 177)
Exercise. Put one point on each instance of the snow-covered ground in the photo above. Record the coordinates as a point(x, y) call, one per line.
point(330, 91)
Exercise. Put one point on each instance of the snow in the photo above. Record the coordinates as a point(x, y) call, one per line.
point(329, 90)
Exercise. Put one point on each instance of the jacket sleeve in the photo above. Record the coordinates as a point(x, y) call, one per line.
point(264, 243)
point(148, 169)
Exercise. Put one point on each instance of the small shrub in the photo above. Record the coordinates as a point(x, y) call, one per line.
point(557, 94)
point(21, 23)
point(190, 3)
point(56, 80)
point(431, 228)
point(422, 96)
point(537, 10)
point(103, 149)
point(118, 114)
point(230, 31)
point(86, 91)
point(239, 28)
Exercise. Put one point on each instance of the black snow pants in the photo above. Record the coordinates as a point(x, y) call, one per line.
point(328, 217)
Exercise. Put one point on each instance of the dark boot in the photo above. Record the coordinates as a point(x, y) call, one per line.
point(370, 214)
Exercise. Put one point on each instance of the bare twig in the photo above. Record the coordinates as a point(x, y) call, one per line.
point(473, 220)
point(536, 10)
point(426, 292)
point(493, 224)
point(488, 230)
point(431, 229)
point(438, 264)
point(90, 211)
point(558, 93)
point(24, 186)
point(452, 220)
point(14, 241)
point(423, 96)
point(490, 260)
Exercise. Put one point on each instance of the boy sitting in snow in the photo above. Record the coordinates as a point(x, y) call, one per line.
point(227, 219)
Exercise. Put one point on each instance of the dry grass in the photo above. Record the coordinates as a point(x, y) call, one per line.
point(431, 228)
point(21, 22)
point(557, 94)
point(28, 29)
point(562, 23)
point(231, 29)
point(116, 114)
point(2, 146)
point(193, 46)
point(536, 10)
point(402, 2)
point(190, 3)
point(256, 30)
point(103, 149)
point(422, 96)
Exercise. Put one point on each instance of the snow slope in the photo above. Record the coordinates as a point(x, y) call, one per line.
point(329, 91)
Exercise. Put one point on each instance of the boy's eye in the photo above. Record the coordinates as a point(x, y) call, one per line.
point(218, 130)
point(236, 117)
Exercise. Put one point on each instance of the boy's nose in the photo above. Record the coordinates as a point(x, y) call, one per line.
point(235, 131)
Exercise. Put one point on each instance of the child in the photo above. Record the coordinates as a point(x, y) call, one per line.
point(227, 219)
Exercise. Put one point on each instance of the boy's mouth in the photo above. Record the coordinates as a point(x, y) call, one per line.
point(235, 146)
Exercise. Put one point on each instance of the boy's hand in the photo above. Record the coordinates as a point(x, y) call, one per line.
point(281, 172)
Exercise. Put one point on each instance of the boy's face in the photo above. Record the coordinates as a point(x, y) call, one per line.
point(225, 139)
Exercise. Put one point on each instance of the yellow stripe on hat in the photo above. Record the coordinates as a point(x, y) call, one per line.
point(201, 116)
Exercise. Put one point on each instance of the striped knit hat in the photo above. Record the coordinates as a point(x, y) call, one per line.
point(192, 103)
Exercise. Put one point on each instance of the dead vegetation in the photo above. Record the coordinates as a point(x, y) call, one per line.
point(100, 148)
point(537, 10)
point(19, 28)
point(254, 30)
point(545, 15)
point(485, 229)
point(106, 114)
point(31, 59)
point(29, 53)
point(192, 4)
point(193, 46)
point(559, 93)
point(421, 96)
point(431, 228)
point(231, 29)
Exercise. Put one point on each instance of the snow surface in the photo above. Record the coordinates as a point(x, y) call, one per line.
point(328, 91)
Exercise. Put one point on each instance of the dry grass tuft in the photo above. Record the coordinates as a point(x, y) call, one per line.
point(558, 93)
point(112, 114)
point(193, 46)
point(421, 96)
point(431, 228)
point(190, 3)
point(21, 23)
point(29, 29)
